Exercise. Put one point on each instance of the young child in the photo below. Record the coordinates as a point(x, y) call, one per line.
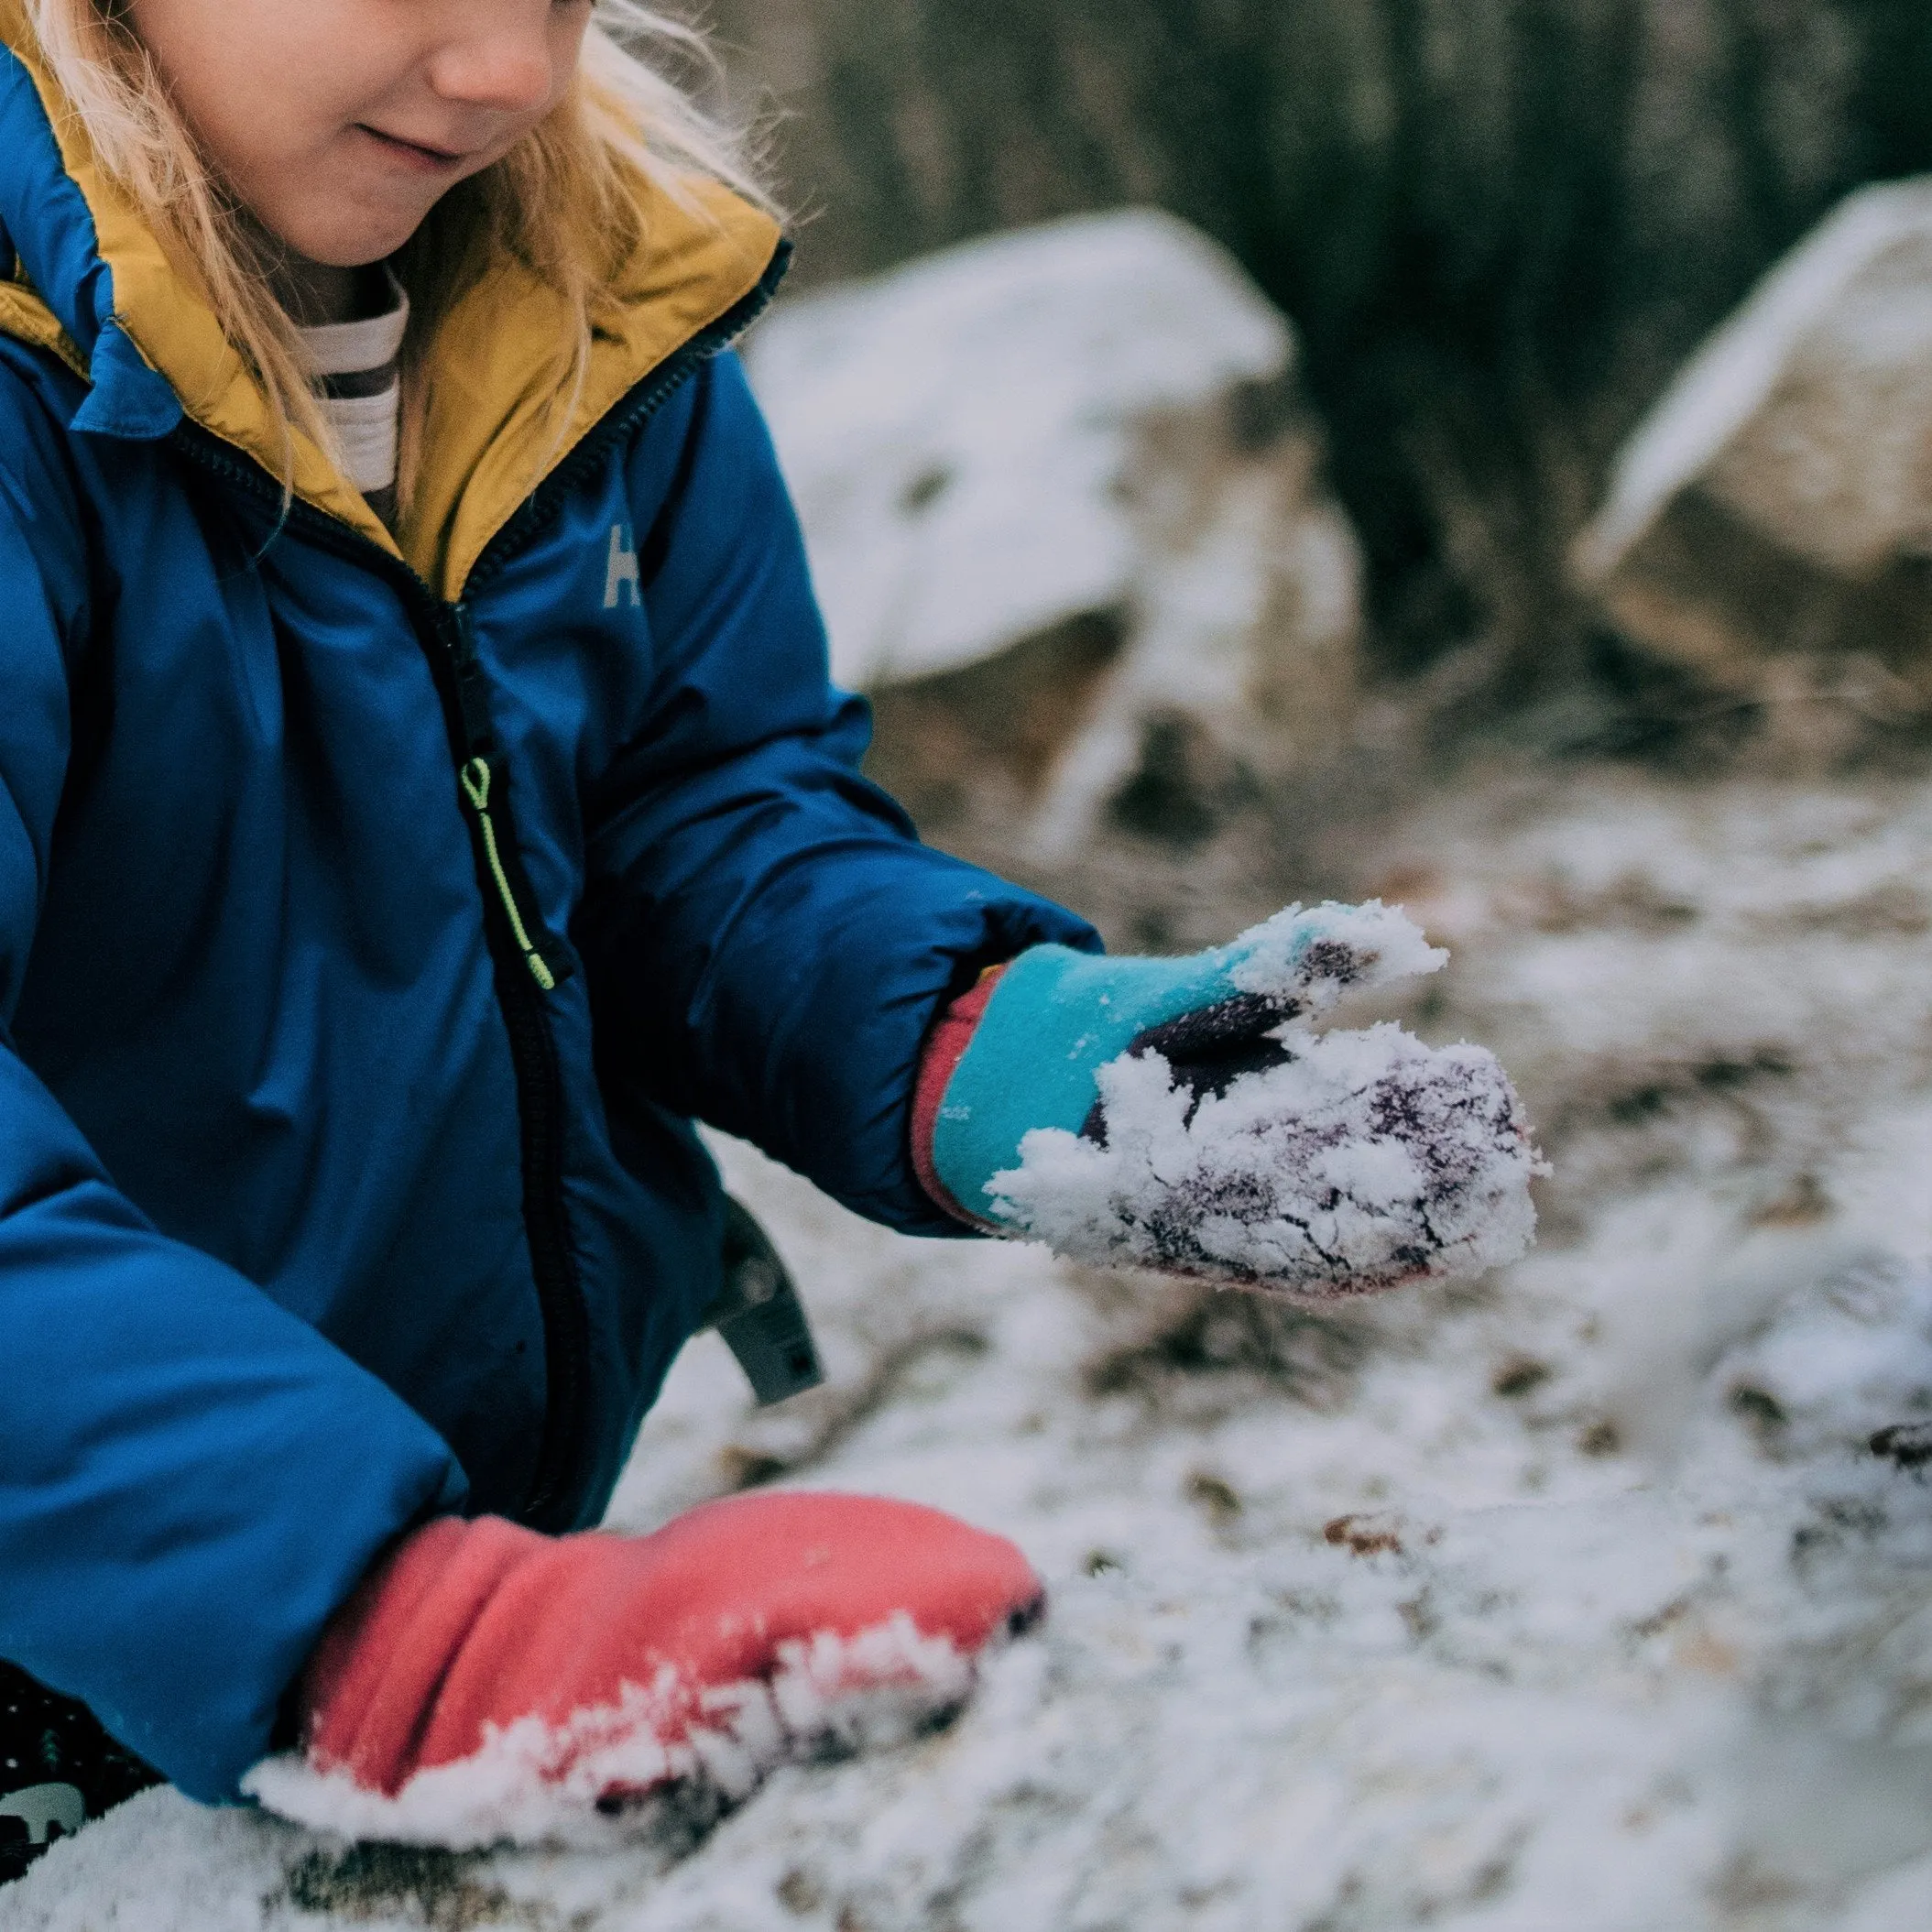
point(420, 797)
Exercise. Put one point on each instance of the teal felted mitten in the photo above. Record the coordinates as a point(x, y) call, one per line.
point(1181, 1114)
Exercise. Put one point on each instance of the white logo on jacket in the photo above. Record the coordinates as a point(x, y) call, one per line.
point(621, 582)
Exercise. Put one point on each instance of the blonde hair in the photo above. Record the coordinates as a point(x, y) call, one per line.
point(563, 203)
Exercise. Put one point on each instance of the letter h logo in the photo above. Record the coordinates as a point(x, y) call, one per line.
point(621, 582)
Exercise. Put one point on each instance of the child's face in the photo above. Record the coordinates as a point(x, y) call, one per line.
point(340, 123)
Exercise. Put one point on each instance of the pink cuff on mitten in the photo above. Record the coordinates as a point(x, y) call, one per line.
point(945, 1047)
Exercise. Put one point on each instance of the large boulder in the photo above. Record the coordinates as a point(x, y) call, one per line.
point(1067, 521)
point(1771, 522)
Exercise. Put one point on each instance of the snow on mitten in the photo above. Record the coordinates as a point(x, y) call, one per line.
point(487, 1683)
point(1179, 1114)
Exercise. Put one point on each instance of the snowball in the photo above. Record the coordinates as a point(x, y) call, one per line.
point(1363, 1161)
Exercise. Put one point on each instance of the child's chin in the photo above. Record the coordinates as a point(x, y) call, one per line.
point(368, 210)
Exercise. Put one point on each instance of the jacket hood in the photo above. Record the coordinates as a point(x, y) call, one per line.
point(91, 283)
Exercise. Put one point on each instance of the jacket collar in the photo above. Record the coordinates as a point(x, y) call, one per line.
point(92, 284)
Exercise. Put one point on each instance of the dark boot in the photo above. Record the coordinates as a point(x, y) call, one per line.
point(58, 1769)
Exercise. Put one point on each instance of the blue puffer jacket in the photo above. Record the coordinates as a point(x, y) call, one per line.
point(374, 920)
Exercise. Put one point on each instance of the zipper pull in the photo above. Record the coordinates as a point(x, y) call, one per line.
point(475, 776)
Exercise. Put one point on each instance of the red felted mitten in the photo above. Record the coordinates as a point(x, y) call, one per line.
point(490, 1682)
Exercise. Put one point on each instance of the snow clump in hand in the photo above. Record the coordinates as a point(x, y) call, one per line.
point(1355, 1163)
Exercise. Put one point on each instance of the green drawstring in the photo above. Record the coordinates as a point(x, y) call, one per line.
point(477, 786)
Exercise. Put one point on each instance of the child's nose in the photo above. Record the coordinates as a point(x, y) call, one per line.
point(500, 55)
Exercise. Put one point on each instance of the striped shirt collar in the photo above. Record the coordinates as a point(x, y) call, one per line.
point(355, 367)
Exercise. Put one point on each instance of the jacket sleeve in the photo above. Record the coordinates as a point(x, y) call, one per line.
point(768, 941)
point(191, 1478)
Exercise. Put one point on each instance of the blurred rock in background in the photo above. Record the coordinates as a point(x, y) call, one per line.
point(1771, 523)
point(1499, 229)
point(1068, 524)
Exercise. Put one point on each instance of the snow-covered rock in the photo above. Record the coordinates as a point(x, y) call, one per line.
point(1055, 482)
point(1777, 503)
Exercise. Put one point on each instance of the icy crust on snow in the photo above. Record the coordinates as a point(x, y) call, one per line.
point(1363, 1161)
point(642, 1768)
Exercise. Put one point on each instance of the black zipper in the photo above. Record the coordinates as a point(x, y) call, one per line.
point(529, 961)
point(441, 632)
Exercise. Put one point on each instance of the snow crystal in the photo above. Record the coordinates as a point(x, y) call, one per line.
point(1364, 1160)
point(640, 1768)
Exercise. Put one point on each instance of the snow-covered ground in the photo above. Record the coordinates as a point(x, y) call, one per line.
point(1574, 1601)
